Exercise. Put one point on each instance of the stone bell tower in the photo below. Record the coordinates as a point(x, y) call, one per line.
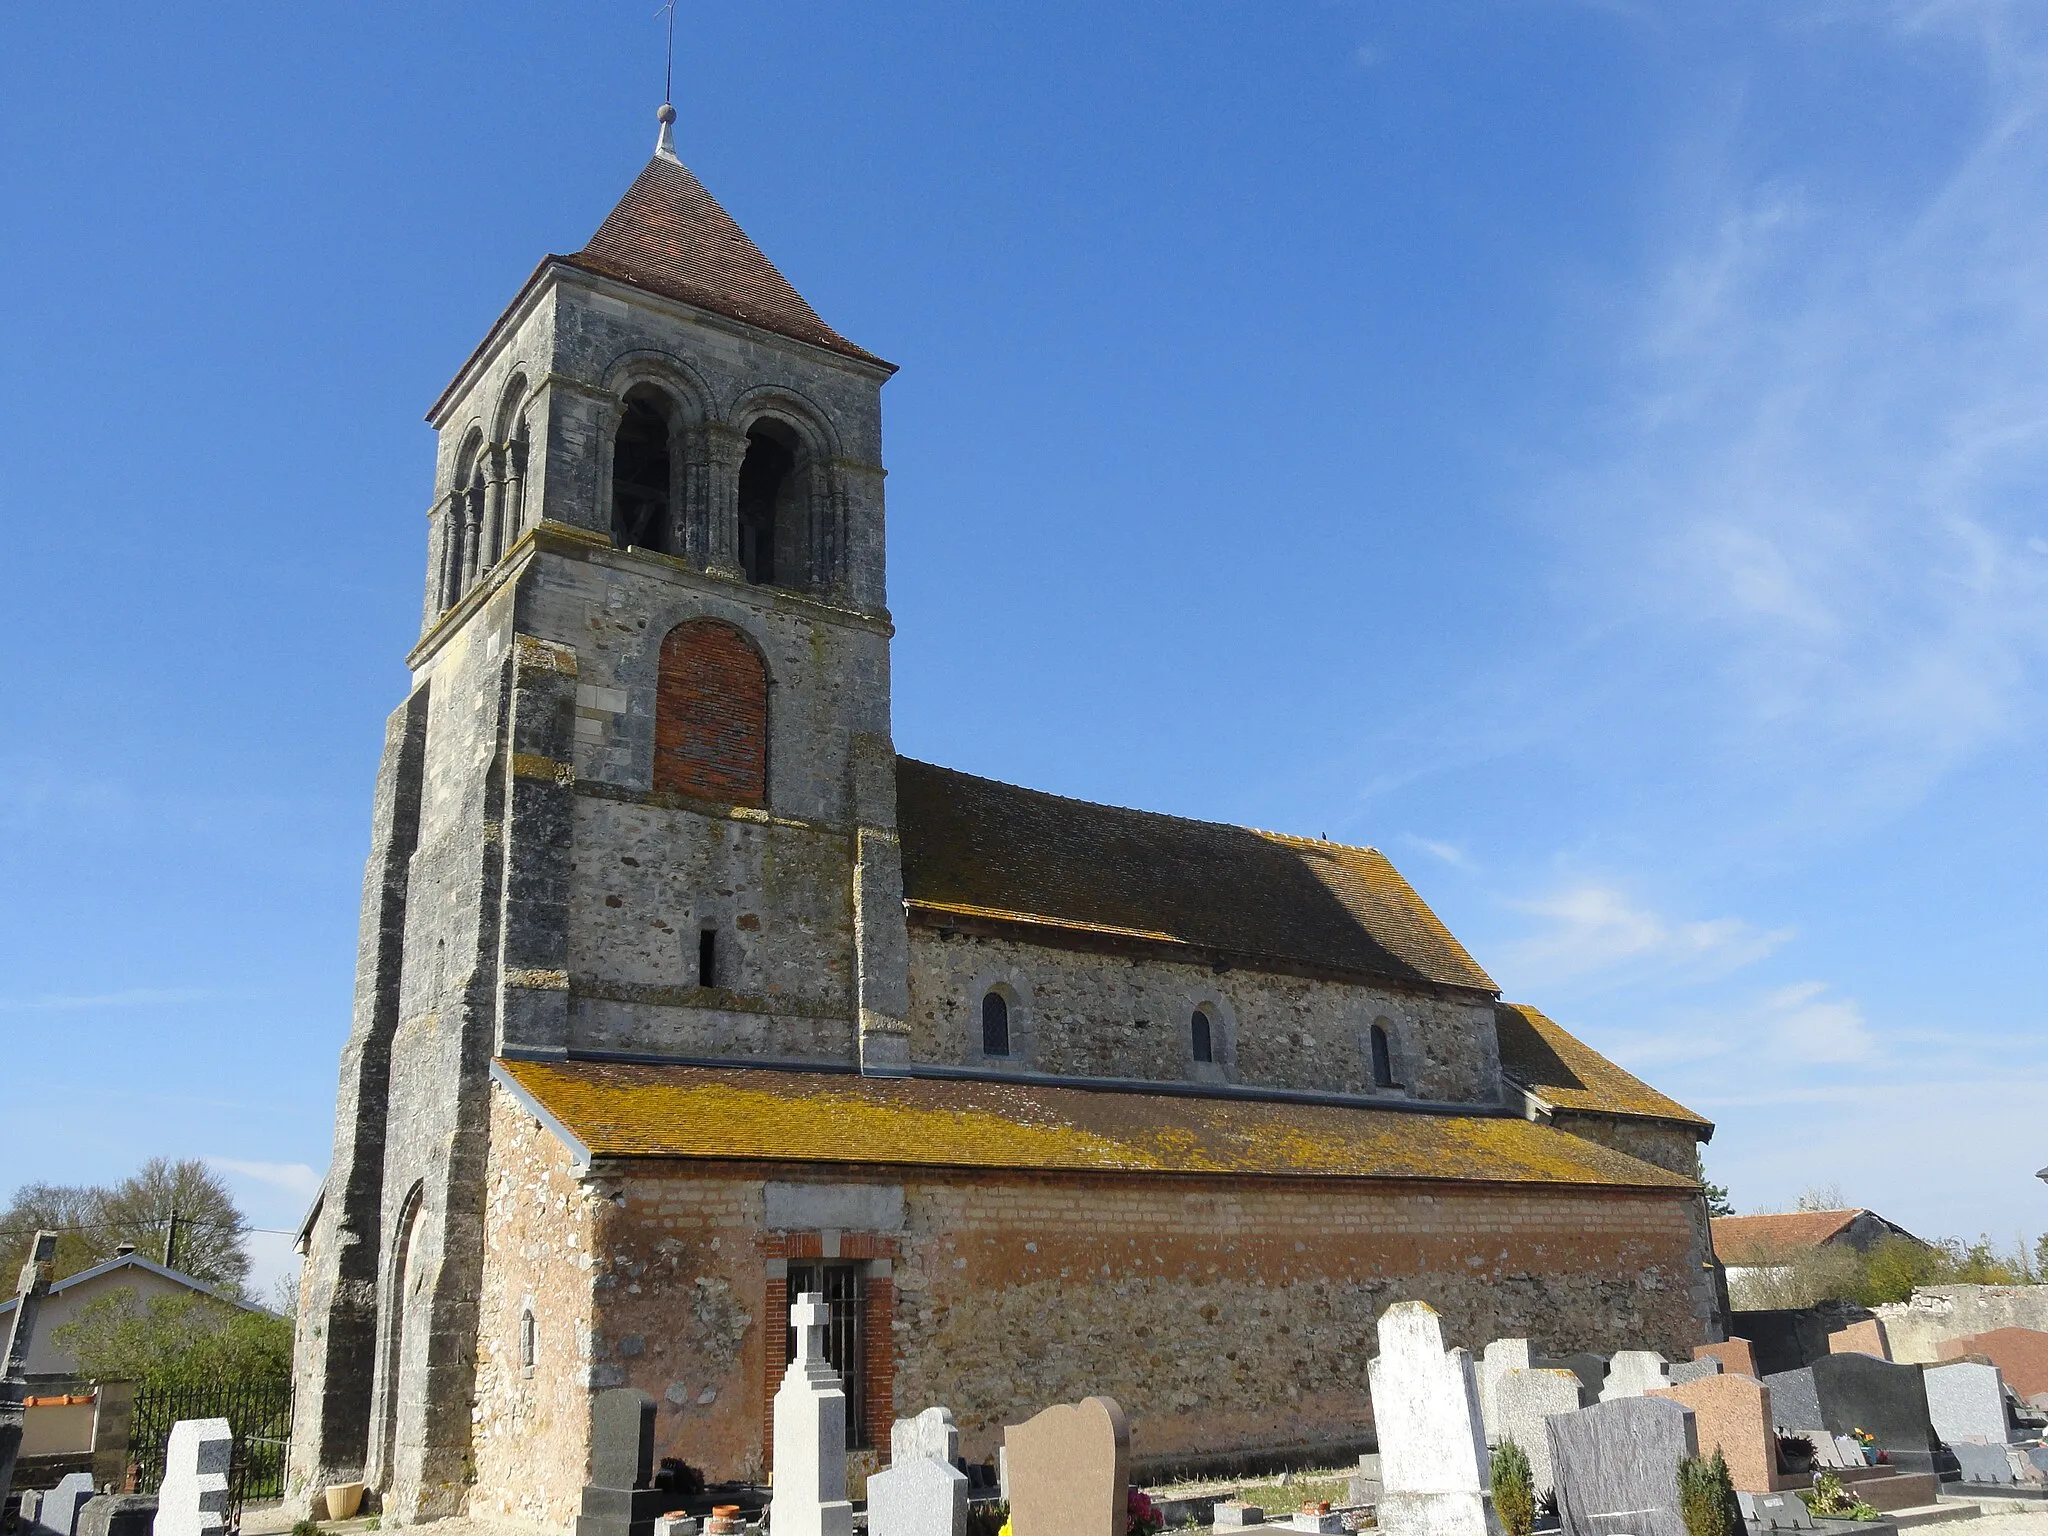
point(640, 799)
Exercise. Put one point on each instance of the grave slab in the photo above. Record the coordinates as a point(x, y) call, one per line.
point(1632, 1372)
point(1501, 1355)
point(1234, 1513)
point(1865, 1338)
point(1591, 1369)
point(1983, 1463)
point(1425, 1404)
point(2021, 1353)
point(1525, 1399)
point(59, 1513)
point(810, 1435)
point(1734, 1413)
point(1617, 1466)
point(1775, 1511)
point(1068, 1470)
point(193, 1498)
point(1682, 1371)
point(1966, 1402)
point(930, 1434)
point(619, 1499)
point(1737, 1356)
point(1859, 1391)
point(923, 1496)
point(1795, 1402)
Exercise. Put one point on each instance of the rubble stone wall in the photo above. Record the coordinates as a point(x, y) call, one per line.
point(1939, 1312)
point(1099, 1015)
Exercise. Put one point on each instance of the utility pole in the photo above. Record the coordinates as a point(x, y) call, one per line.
point(28, 1300)
point(171, 1237)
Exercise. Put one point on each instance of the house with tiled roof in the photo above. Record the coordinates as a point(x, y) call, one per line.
point(1774, 1239)
point(681, 993)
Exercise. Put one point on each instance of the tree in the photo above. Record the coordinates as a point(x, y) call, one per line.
point(178, 1342)
point(92, 1221)
point(1706, 1497)
point(1514, 1489)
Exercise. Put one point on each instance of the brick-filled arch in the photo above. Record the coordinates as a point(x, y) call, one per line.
point(711, 715)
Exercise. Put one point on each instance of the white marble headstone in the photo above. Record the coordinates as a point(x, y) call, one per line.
point(1500, 1355)
point(1525, 1399)
point(193, 1500)
point(1425, 1407)
point(919, 1497)
point(810, 1435)
point(1966, 1401)
point(1632, 1372)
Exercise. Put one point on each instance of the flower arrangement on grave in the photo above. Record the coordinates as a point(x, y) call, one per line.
point(1795, 1453)
point(1706, 1497)
point(1141, 1516)
point(1871, 1454)
point(1828, 1500)
point(1514, 1489)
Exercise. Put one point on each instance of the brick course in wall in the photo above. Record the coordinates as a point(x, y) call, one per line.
point(711, 715)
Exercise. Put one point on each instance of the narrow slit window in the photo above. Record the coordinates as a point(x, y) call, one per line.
point(526, 1340)
point(995, 1025)
point(707, 958)
point(1382, 1059)
point(1203, 1040)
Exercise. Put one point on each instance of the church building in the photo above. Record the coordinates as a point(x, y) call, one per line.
point(680, 993)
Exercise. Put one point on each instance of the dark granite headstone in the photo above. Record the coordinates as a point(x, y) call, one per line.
point(1589, 1368)
point(1795, 1403)
point(619, 1499)
point(117, 1514)
point(1617, 1466)
point(1886, 1401)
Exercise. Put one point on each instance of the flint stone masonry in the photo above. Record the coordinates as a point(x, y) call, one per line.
point(1966, 1401)
point(1918, 1327)
point(1733, 1413)
point(1525, 1400)
point(1632, 1372)
point(1425, 1399)
point(1067, 1470)
point(1617, 1466)
point(193, 1499)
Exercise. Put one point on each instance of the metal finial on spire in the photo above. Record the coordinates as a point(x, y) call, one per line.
point(665, 141)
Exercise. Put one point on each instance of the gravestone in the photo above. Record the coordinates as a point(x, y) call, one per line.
point(1865, 1338)
point(2020, 1353)
point(1501, 1355)
point(1232, 1513)
point(1796, 1402)
point(1983, 1463)
point(1734, 1413)
point(1775, 1512)
point(1591, 1370)
point(1632, 1372)
point(1966, 1401)
point(1067, 1471)
point(620, 1499)
point(920, 1497)
point(931, 1434)
point(117, 1514)
point(1683, 1371)
point(1524, 1400)
point(922, 1493)
point(193, 1498)
point(1617, 1466)
point(810, 1434)
point(58, 1515)
point(1434, 1472)
point(1737, 1356)
point(1857, 1391)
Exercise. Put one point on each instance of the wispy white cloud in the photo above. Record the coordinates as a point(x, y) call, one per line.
point(1595, 933)
point(293, 1178)
point(1449, 853)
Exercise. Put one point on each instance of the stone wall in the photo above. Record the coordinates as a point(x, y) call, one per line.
point(1228, 1317)
point(1101, 1015)
point(1939, 1312)
point(1661, 1143)
point(531, 1438)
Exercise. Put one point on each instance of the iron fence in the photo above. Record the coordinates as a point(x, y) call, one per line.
point(260, 1416)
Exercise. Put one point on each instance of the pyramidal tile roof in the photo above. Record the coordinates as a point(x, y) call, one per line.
point(669, 236)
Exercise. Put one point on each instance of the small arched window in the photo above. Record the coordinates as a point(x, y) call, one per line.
point(711, 715)
point(1202, 1036)
point(771, 527)
point(641, 472)
point(528, 1339)
point(995, 1024)
point(1382, 1059)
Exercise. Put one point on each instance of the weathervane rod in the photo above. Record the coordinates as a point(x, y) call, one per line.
point(668, 79)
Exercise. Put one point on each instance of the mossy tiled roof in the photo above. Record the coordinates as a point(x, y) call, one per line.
point(1563, 1070)
point(618, 1110)
point(980, 849)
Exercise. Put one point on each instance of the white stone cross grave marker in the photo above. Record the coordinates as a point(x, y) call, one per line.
point(810, 1434)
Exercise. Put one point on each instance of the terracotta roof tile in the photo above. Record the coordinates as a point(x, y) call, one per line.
point(620, 1110)
point(977, 848)
point(1737, 1238)
point(1565, 1071)
point(670, 236)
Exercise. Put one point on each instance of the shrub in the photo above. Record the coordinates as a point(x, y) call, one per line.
point(1706, 1497)
point(1514, 1489)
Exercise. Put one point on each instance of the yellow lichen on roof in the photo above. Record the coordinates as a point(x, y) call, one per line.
point(1565, 1071)
point(618, 1110)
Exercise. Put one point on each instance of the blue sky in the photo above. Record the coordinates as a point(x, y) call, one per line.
point(1593, 451)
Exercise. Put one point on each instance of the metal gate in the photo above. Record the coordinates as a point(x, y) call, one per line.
point(844, 1287)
